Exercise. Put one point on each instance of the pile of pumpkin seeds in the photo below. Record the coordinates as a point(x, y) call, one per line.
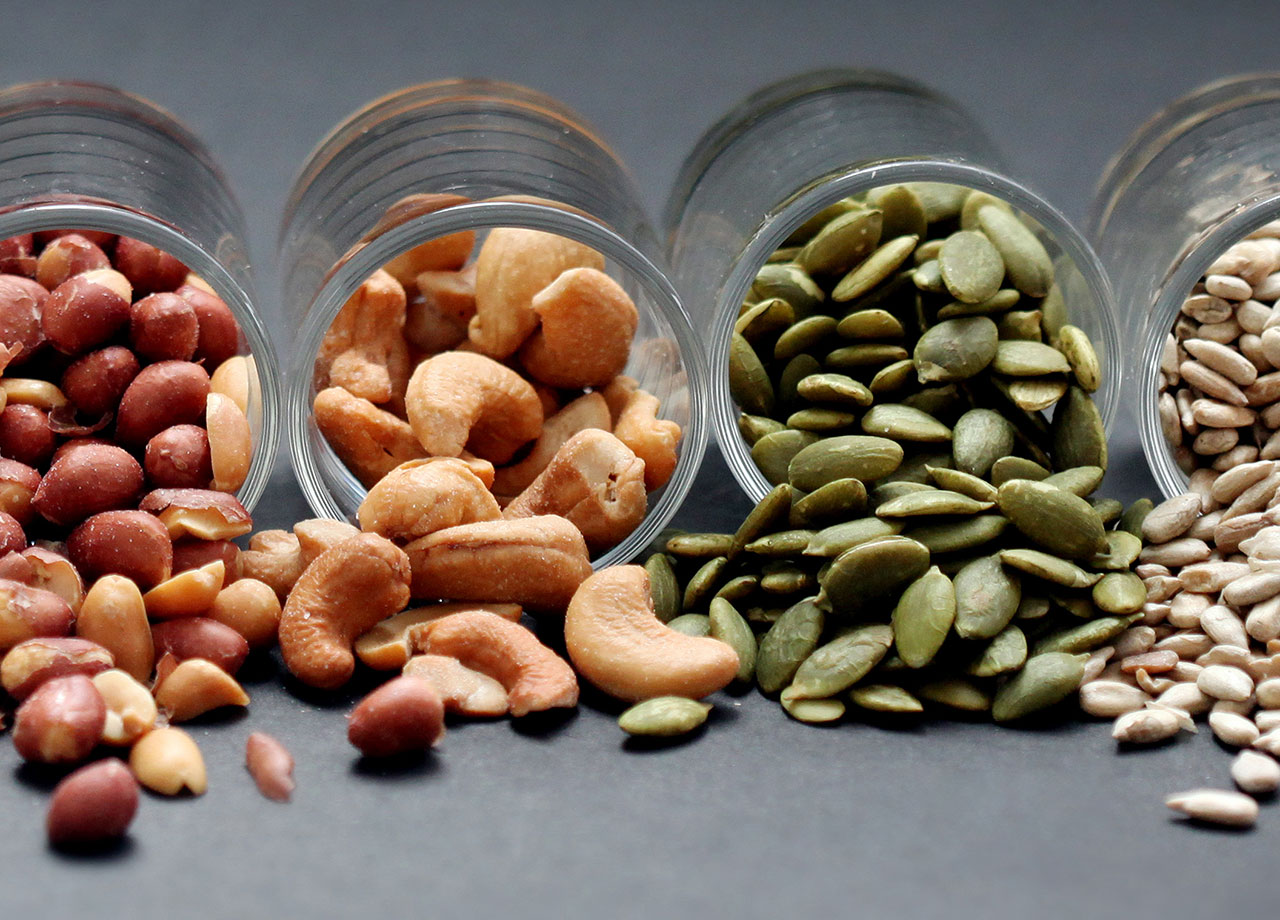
point(909, 383)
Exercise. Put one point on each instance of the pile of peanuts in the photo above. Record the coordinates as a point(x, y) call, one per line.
point(1219, 397)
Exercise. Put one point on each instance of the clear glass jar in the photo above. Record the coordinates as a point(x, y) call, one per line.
point(1197, 177)
point(523, 160)
point(800, 145)
point(76, 155)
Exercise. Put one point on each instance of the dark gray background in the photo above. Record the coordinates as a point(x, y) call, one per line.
point(760, 816)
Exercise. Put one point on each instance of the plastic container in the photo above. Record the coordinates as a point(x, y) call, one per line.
point(799, 145)
point(80, 156)
point(1197, 177)
point(500, 146)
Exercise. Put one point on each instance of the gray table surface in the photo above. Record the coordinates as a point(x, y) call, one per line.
point(760, 816)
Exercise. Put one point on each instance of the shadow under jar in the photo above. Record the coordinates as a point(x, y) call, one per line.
point(1187, 220)
point(405, 207)
point(104, 193)
point(818, 153)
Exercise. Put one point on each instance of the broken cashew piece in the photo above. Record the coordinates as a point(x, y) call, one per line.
point(589, 411)
point(346, 591)
point(275, 558)
point(587, 324)
point(370, 441)
point(423, 496)
point(596, 482)
point(535, 677)
point(391, 643)
point(653, 439)
point(617, 642)
point(364, 350)
point(461, 400)
point(536, 562)
point(514, 264)
point(463, 690)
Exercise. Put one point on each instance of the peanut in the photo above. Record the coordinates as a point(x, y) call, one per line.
point(129, 543)
point(232, 378)
point(61, 721)
point(230, 442)
point(22, 303)
point(163, 394)
point(167, 760)
point(85, 311)
point(17, 255)
point(270, 765)
point(94, 383)
point(25, 435)
point(186, 594)
point(403, 715)
point(18, 485)
point(30, 391)
point(12, 537)
point(131, 709)
point(148, 268)
point(201, 637)
point(197, 686)
point(69, 255)
point(219, 337)
point(96, 803)
point(179, 458)
point(205, 514)
point(587, 324)
point(163, 327)
point(114, 616)
point(53, 572)
point(29, 664)
point(30, 613)
point(251, 608)
point(88, 479)
point(192, 553)
point(423, 496)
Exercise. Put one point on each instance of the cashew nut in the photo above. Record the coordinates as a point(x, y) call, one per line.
point(364, 351)
point(273, 557)
point(536, 562)
point(617, 642)
point(535, 677)
point(463, 690)
point(653, 439)
point(458, 399)
point(347, 590)
point(514, 264)
point(389, 644)
point(587, 323)
point(370, 441)
point(589, 411)
point(596, 482)
point(423, 496)
point(444, 253)
point(315, 535)
point(617, 394)
point(436, 318)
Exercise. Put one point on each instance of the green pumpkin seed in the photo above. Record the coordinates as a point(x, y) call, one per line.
point(767, 318)
point(870, 324)
point(890, 491)
point(1121, 552)
point(1024, 257)
point(768, 515)
point(664, 717)
point(954, 536)
point(980, 438)
point(1085, 637)
point(781, 543)
point(893, 377)
point(698, 545)
point(788, 281)
point(1035, 394)
point(663, 587)
point(804, 336)
point(935, 401)
point(955, 693)
point(812, 225)
point(739, 587)
point(1120, 592)
point(729, 627)
point(897, 295)
point(790, 640)
point(1048, 568)
point(1054, 308)
point(1133, 516)
point(754, 427)
point(692, 624)
point(962, 482)
point(838, 538)
point(916, 468)
point(797, 369)
point(820, 420)
point(1006, 652)
point(1020, 325)
point(834, 388)
point(875, 268)
point(764, 616)
point(786, 579)
point(1007, 468)
point(903, 211)
point(785, 254)
point(972, 202)
point(842, 243)
point(987, 597)
point(1078, 436)
point(1045, 680)
point(1079, 607)
point(1017, 358)
point(812, 712)
point(835, 501)
point(926, 251)
point(884, 698)
point(1109, 509)
point(955, 349)
point(703, 583)
point(933, 502)
point(866, 355)
point(1002, 300)
point(927, 277)
point(773, 453)
point(841, 663)
point(847, 456)
point(749, 383)
point(1062, 523)
point(971, 267)
point(1079, 480)
point(903, 423)
point(941, 200)
point(1032, 607)
point(870, 571)
point(923, 617)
